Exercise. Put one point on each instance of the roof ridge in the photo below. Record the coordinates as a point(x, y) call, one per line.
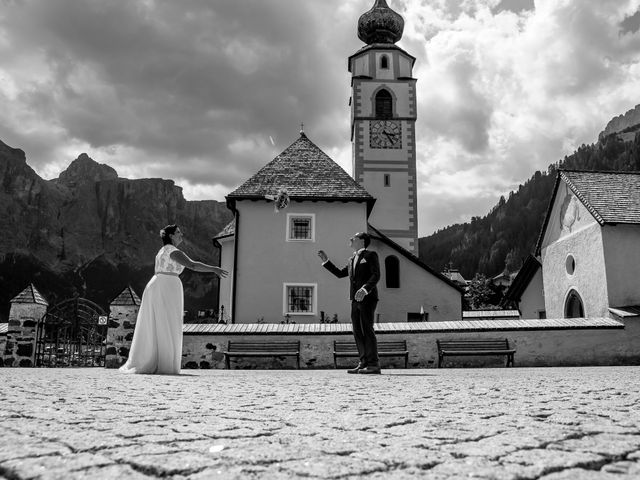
point(307, 173)
point(617, 172)
point(412, 257)
point(30, 294)
point(582, 198)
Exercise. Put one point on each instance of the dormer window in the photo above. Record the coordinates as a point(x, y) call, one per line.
point(384, 104)
point(384, 62)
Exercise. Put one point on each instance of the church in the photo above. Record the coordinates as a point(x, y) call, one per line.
point(275, 273)
point(588, 251)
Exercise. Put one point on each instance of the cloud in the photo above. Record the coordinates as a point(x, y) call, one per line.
point(206, 93)
point(504, 94)
point(178, 81)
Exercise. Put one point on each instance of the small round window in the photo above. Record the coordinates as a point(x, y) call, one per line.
point(570, 264)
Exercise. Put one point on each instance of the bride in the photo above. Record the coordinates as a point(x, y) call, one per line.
point(157, 339)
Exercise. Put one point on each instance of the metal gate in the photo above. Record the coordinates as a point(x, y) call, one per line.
point(72, 334)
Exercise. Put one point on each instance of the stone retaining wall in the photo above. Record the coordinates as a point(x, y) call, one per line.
point(577, 342)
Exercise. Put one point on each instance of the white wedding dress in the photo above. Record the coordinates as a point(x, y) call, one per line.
point(157, 338)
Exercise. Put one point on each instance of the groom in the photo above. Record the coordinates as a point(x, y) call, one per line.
point(363, 270)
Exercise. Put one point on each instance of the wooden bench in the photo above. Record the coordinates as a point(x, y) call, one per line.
point(483, 346)
point(262, 349)
point(346, 348)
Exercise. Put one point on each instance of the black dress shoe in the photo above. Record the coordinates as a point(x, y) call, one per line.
point(365, 370)
point(356, 369)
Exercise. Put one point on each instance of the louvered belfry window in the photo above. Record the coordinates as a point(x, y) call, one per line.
point(384, 104)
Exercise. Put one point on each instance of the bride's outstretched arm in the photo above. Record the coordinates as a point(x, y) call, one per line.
point(183, 259)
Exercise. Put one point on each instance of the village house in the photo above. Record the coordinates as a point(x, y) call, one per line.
point(275, 272)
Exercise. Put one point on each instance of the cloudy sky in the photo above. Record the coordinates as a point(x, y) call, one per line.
point(205, 92)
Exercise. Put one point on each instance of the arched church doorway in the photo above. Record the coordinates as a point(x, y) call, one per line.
point(573, 307)
point(72, 334)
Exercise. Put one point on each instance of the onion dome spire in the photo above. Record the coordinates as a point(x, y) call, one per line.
point(380, 25)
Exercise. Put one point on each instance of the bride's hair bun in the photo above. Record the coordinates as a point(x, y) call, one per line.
point(166, 232)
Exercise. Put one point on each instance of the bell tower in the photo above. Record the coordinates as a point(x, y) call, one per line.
point(383, 119)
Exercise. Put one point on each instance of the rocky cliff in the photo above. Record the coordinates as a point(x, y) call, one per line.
point(90, 233)
point(625, 125)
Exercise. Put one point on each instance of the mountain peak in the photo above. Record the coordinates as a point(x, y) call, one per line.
point(6, 150)
point(623, 122)
point(86, 170)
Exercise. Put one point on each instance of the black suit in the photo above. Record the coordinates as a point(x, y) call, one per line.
point(365, 274)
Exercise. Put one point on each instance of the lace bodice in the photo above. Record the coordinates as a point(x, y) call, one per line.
point(164, 262)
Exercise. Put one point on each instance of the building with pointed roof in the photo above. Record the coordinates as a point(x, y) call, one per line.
point(272, 255)
point(307, 173)
point(127, 297)
point(30, 295)
point(589, 244)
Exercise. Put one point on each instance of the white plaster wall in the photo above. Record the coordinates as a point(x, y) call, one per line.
point(266, 260)
point(589, 278)
point(572, 230)
point(532, 300)
point(226, 262)
point(405, 66)
point(392, 212)
point(360, 64)
point(417, 288)
point(401, 92)
point(568, 215)
point(385, 74)
point(622, 257)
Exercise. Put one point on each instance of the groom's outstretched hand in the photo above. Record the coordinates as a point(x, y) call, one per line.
point(221, 273)
point(323, 256)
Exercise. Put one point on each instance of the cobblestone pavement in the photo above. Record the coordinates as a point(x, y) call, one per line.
point(520, 423)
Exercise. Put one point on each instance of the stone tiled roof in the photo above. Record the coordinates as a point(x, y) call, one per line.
point(30, 295)
point(626, 311)
point(307, 173)
point(126, 297)
point(611, 197)
point(227, 231)
point(455, 276)
point(403, 327)
point(490, 314)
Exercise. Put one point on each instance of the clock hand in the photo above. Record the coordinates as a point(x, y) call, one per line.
point(391, 137)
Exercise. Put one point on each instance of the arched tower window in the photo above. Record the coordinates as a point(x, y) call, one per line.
point(573, 307)
point(392, 271)
point(384, 104)
point(384, 62)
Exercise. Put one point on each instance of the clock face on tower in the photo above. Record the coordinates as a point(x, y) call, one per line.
point(385, 134)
